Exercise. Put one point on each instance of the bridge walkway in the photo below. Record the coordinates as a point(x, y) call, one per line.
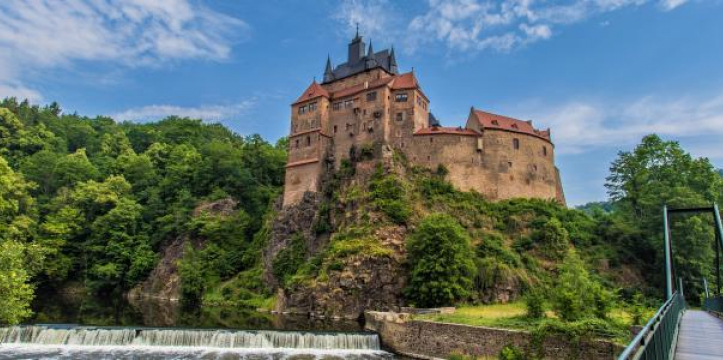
point(700, 337)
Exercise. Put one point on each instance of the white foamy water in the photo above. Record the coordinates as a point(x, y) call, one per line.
point(41, 342)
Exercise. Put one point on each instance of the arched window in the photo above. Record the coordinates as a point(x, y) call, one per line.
point(516, 143)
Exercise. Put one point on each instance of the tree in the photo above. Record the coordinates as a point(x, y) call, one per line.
point(575, 291)
point(553, 238)
point(441, 261)
point(14, 283)
point(656, 173)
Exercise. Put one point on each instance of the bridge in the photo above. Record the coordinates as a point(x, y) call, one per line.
point(676, 332)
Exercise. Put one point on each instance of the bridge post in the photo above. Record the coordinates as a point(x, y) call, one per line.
point(718, 244)
point(668, 260)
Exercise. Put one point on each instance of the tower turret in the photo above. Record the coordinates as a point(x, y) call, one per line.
point(371, 60)
point(393, 62)
point(356, 48)
point(328, 72)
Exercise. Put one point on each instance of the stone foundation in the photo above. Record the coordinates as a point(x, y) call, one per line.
point(427, 340)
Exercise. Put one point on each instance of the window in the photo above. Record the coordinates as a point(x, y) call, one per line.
point(421, 102)
point(431, 140)
point(495, 123)
point(312, 107)
point(372, 96)
point(401, 97)
point(336, 106)
point(509, 164)
point(400, 116)
point(544, 151)
point(297, 143)
point(516, 144)
point(308, 141)
point(348, 104)
point(302, 109)
point(335, 129)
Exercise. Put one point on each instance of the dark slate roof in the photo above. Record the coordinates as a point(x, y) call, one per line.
point(432, 121)
point(384, 59)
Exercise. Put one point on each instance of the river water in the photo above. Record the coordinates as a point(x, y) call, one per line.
point(72, 328)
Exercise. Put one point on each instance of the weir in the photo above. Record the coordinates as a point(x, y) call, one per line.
point(91, 336)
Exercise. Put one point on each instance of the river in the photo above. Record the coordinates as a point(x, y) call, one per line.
point(67, 327)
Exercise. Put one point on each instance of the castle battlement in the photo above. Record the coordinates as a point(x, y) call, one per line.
point(366, 102)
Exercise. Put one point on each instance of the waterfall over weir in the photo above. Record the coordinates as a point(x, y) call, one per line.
point(187, 338)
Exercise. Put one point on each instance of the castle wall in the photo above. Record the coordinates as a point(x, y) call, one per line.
point(361, 78)
point(497, 170)
point(363, 124)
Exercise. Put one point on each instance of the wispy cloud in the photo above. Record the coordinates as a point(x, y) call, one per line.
point(209, 113)
point(478, 25)
point(580, 126)
point(376, 18)
point(38, 36)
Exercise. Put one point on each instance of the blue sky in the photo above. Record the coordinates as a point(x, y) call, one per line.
point(600, 73)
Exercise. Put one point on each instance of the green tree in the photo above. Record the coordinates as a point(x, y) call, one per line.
point(441, 261)
point(553, 238)
point(659, 172)
point(14, 283)
point(575, 291)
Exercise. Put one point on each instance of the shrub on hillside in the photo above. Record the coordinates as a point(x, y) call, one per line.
point(575, 295)
point(387, 193)
point(553, 238)
point(441, 261)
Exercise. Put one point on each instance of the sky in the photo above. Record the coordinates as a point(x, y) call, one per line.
point(600, 73)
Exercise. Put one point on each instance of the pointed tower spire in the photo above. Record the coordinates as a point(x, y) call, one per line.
point(393, 62)
point(371, 60)
point(328, 72)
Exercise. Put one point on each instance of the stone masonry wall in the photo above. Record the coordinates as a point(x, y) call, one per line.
point(426, 340)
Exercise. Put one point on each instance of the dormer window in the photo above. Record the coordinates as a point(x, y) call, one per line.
point(514, 126)
point(401, 97)
point(495, 123)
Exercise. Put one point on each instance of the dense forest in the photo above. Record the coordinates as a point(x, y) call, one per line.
point(90, 201)
point(93, 202)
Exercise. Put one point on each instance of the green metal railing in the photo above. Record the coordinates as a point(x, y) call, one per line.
point(656, 339)
point(713, 304)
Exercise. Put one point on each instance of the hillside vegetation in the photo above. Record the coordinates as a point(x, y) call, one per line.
point(95, 204)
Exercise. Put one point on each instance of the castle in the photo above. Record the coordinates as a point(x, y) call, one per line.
point(366, 103)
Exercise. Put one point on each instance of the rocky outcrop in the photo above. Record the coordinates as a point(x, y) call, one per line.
point(164, 282)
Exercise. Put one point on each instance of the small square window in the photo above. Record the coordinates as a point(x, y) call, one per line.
point(372, 96)
point(400, 116)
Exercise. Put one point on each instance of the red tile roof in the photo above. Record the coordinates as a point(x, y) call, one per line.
point(499, 122)
point(405, 81)
point(313, 91)
point(447, 130)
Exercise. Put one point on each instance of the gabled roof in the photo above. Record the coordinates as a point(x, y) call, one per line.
point(499, 122)
point(313, 91)
point(446, 130)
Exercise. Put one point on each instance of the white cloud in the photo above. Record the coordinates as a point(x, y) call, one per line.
point(38, 36)
point(374, 18)
point(584, 125)
point(209, 113)
point(476, 25)
point(668, 5)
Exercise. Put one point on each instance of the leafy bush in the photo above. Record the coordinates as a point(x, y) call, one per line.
point(553, 238)
point(387, 193)
point(441, 262)
point(575, 292)
point(535, 303)
point(511, 352)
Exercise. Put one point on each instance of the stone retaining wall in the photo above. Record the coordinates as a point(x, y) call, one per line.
point(428, 340)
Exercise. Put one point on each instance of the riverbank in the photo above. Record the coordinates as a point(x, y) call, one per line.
point(422, 339)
